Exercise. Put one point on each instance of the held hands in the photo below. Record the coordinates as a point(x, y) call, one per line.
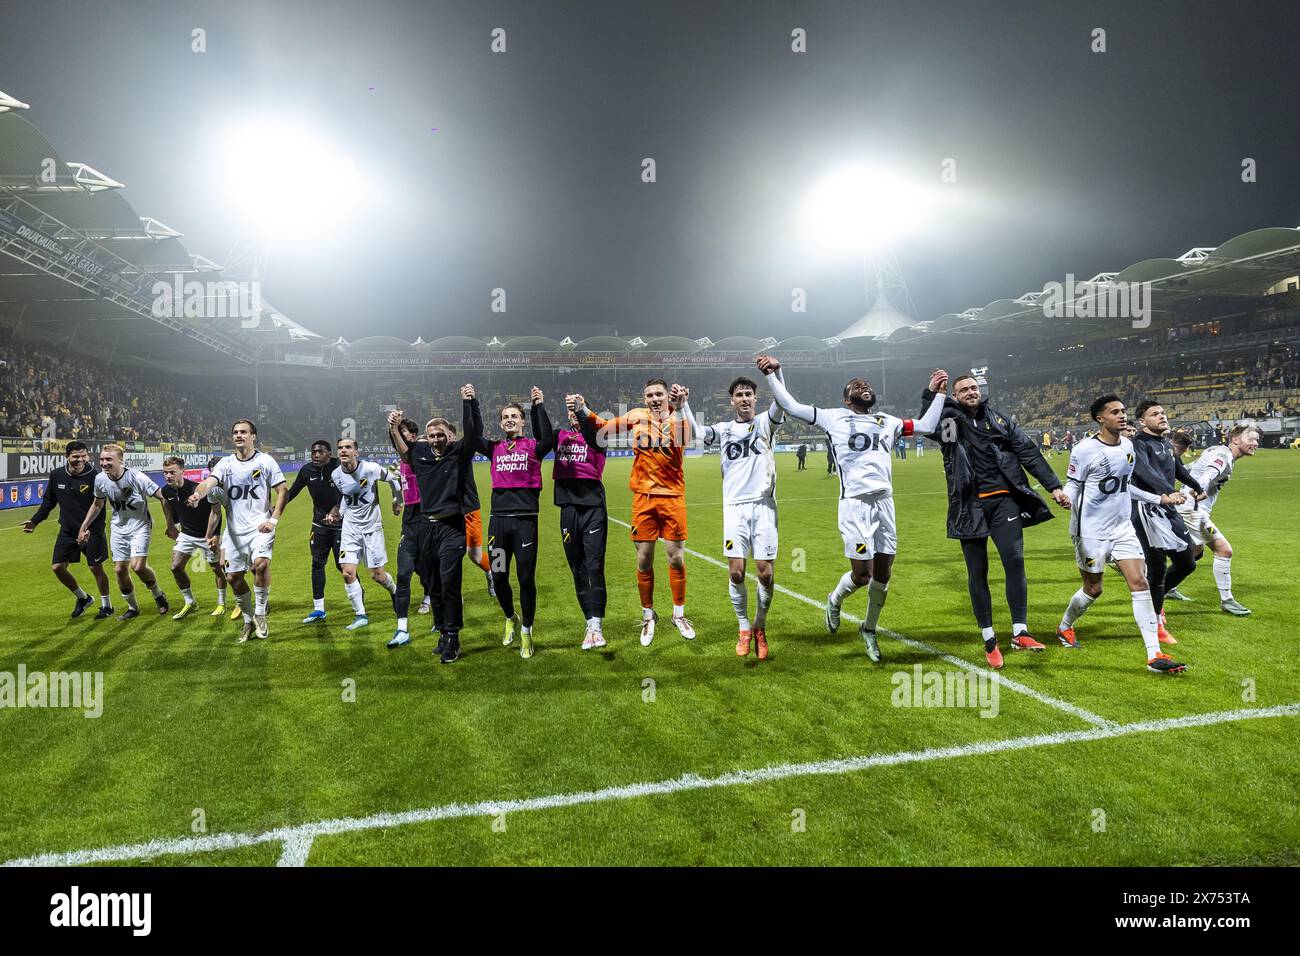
point(214, 541)
point(576, 403)
point(83, 536)
point(193, 500)
point(1199, 496)
point(1061, 498)
point(467, 392)
point(939, 381)
point(397, 505)
point(266, 527)
point(332, 517)
point(678, 394)
point(1173, 498)
point(767, 364)
point(536, 395)
point(394, 418)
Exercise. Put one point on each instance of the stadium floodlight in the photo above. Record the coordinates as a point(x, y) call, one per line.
point(860, 209)
point(286, 181)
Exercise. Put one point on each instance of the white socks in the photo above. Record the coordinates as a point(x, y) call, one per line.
point(739, 602)
point(1079, 603)
point(1144, 612)
point(843, 589)
point(764, 602)
point(876, 593)
point(245, 604)
point(593, 624)
point(401, 624)
point(1223, 577)
point(188, 595)
point(388, 584)
point(679, 610)
point(318, 604)
point(221, 596)
point(130, 599)
point(80, 594)
point(353, 591)
point(260, 603)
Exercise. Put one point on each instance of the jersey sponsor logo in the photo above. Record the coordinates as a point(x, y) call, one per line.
point(356, 500)
point(742, 449)
point(859, 441)
point(240, 492)
point(1112, 484)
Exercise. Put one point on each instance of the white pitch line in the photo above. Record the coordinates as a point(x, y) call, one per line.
point(297, 839)
point(1063, 705)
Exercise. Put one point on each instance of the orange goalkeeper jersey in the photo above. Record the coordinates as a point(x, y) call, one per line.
point(657, 450)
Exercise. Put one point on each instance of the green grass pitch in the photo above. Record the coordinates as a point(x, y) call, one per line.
point(252, 738)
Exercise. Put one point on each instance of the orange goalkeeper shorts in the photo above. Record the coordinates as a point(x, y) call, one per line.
point(474, 529)
point(658, 516)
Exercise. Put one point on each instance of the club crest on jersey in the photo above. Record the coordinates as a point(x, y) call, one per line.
point(364, 482)
point(880, 420)
point(728, 545)
point(257, 473)
point(564, 534)
point(83, 489)
point(860, 547)
point(1129, 458)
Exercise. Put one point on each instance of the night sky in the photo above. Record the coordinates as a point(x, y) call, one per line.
point(1067, 160)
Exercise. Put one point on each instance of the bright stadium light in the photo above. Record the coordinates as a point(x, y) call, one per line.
point(284, 180)
point(860, 209)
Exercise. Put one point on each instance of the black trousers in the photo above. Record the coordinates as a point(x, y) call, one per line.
point(1181, 563)
point(584, 531)
point(408, 557)
point(323, 540)
point(441, 549)
point(514, 538)
point(1002, 515)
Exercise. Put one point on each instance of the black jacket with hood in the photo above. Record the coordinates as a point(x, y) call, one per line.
point(1016, 455)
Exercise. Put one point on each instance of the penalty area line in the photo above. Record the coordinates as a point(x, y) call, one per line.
point(297, 840)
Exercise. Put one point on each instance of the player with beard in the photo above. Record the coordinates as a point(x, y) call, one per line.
point(71, 487)
point(862, 443)
point(985, 458)
point(408, 545)
point(314, 478)
point(362, 527)
point(441, 466)
point(474, 549)
point(1160, 528)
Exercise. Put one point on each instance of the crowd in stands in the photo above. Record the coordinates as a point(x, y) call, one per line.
point(82, 398)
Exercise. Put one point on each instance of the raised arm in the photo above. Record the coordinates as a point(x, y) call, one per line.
point(395, 432)
point(543, 430)
point(472, 420)
point(770, 367)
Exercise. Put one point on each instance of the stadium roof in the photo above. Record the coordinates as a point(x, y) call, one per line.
point(84, 267)
point(1247, 265)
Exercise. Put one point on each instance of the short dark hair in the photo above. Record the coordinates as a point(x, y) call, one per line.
point(522, 413)
point(1181, 438)
point(1100, 403)
point(72, 446)
point(1145, 406)
point(656, 381)
point(174, 460)
point(319, 442)
point(212, 462)
point(410, 425)
point(742, 382)
point(244, 421)
point(962, 378)
point(353, 440)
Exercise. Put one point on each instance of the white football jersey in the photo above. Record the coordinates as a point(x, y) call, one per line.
point(863, 447)
point(748, 467)
point(247, 486)
point(129, 496)
point(1098, 483)
point(360, 489)
point(1211, 471)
